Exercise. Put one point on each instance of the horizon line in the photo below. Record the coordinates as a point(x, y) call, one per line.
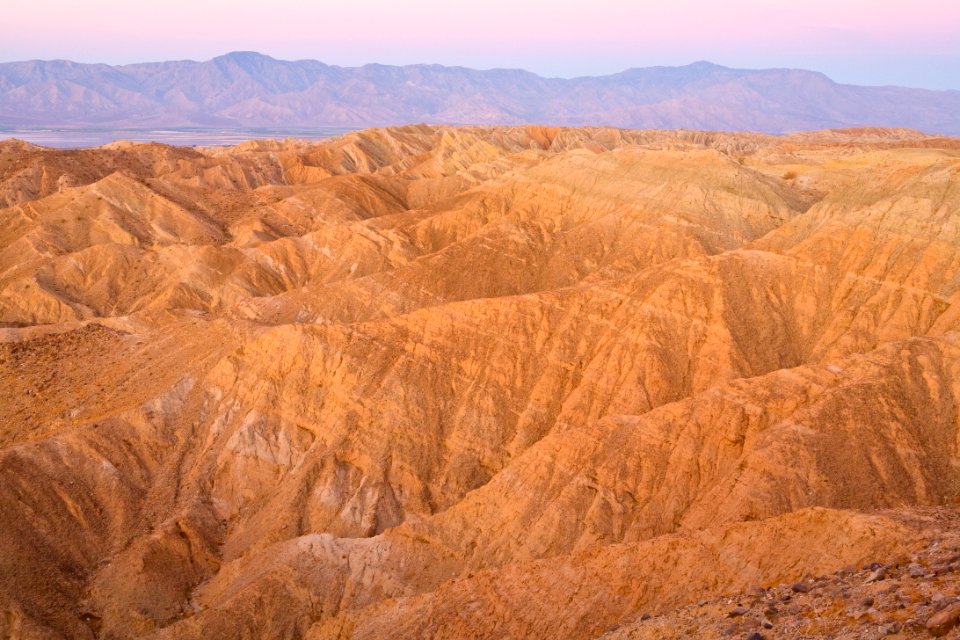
point(694, 63)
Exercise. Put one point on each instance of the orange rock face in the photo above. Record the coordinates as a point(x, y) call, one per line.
point(473, 382)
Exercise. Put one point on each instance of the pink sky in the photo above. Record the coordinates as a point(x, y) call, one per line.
point(871, 41)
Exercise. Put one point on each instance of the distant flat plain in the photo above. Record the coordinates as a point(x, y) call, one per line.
point(81, 138)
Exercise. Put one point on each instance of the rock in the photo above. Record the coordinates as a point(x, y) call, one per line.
point(737, 612)
point(878, 574)
point(756, 636)
point(940, 623)
point(800, 587)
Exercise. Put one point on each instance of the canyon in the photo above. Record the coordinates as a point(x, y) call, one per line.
point(482, 382)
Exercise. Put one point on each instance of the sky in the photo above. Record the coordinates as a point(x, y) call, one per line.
point(913, 43)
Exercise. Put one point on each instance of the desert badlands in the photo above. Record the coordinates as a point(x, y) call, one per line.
point(439, 382)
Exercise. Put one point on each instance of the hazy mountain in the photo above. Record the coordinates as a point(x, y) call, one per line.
point(248, 89)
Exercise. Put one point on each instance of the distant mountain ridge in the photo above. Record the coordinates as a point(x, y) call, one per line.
point(247, 89)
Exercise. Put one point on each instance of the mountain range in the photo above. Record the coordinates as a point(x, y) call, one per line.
point(247, 89)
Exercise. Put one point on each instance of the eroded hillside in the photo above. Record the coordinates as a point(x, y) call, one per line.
point(471, 382)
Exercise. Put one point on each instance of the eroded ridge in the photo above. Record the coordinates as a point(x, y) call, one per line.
point(472, 382)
